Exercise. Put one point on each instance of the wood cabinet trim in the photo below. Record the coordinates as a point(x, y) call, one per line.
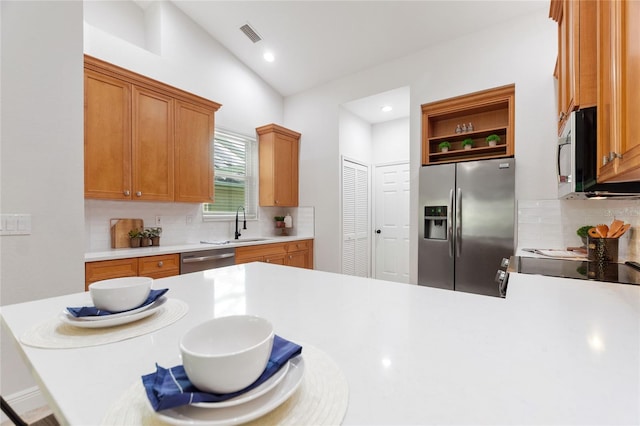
point(115, 71)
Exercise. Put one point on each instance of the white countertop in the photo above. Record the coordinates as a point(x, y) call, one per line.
point(555, 351)
point(123, 253)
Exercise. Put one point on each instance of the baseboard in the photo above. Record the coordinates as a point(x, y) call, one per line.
point(24, 400)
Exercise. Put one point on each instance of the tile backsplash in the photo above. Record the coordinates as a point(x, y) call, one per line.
point(182, 223)
point(553, 223)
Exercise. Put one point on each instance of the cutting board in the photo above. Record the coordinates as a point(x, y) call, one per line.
point(120, 231)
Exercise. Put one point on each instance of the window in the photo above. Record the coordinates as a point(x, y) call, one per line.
point(235, 169)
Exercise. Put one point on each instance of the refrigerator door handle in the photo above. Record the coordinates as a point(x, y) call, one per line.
point(450, 222)
point(459, 222)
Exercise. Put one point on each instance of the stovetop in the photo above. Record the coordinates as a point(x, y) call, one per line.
point(581, 270)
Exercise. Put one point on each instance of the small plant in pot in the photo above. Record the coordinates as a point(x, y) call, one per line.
point(145, 238)
point(583, 232)
point(279, 221)
point(493, 140)
point(154, 235)
point(467, 143)
point(134, 238)
point(444, 146)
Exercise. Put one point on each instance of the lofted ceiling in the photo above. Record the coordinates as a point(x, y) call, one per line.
point(315, 42)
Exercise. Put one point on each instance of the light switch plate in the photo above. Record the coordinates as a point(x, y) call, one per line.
point(15, 224)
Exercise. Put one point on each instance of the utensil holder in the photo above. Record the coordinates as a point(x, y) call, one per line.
point(602, 249)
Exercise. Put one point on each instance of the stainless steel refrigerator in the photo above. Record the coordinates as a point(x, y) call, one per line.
point(467, 224)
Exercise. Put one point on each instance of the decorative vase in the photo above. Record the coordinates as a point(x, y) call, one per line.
point(492, 143)
point(280, 224)
point(444, 149)
point(144, 242)
point(467, 147)
point(155, 241)
point(134, 242)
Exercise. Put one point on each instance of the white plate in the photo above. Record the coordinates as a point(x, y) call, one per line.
point(264, 387)
point(67, 318)
point(111, 316)
point(190, 415)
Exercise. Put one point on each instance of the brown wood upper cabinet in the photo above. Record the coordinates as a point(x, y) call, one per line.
point(618, 90)
point(278, 153)
point(145, 140)
point(576, 63)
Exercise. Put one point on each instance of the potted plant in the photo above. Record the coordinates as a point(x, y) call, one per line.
point(279, 221)
point(145, 238)
point(134, 238)
point(493, 140)
point(583, 232)
point(154, 234)
point(467, 143)
point(444, 146)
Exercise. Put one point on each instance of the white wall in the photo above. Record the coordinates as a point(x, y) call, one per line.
point(41, 159)
point(391, 141)
point(355, 138)
point(522, 51)
point(190, 60)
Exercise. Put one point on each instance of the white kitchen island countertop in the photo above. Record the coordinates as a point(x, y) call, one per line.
point(555, 351)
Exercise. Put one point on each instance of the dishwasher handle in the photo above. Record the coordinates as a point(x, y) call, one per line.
point(205, 258)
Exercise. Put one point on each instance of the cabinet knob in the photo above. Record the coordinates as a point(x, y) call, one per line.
point(127, 192)
point(138, 194)
point(160, 264)
point(268, 260)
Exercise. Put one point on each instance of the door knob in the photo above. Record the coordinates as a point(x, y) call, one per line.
point(378, 231)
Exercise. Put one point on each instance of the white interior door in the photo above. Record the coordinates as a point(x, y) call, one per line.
point(355, 219)
point(391, 218)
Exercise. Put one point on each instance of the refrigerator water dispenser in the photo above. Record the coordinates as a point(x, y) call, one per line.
point(435, 222)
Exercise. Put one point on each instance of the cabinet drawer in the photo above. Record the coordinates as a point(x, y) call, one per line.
point(107, 269)
point(159, 266)
point(298, 245)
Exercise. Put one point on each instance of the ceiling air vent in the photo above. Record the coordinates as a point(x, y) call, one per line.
point(251, 33)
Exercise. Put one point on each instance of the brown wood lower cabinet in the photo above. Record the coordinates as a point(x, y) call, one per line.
point(160, 266)
point(295, 253)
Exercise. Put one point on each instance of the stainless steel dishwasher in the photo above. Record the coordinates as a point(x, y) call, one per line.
point(195, 261)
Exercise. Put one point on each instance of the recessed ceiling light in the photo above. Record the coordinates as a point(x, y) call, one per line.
point(386, 108)
point(268, 56)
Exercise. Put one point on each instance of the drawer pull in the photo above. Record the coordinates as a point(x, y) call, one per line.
point(160, 264)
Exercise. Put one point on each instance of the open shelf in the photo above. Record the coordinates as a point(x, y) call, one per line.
point(490, 112)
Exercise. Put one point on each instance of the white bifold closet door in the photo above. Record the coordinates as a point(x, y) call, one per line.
point(356, 252)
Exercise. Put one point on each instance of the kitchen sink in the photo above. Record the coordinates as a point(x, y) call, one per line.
point(241, 240)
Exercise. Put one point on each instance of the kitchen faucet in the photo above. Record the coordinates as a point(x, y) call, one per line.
point(244, 214)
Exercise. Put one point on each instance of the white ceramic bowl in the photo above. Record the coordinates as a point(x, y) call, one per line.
point(227, 354)
point(120, 294)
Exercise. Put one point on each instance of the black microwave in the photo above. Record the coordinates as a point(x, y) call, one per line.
point(577, 162)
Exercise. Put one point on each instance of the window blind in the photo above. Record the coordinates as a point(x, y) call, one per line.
point(235, 170)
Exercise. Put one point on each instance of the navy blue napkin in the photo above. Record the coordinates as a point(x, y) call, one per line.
point(92, 311)
point(168, 388)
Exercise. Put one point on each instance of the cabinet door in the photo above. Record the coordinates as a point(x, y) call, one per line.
point(576, 66)
point(278, 154)
point(107, 269)
point(286, 171)
point(299, 259)
point(153, 145)
point(278, 259)
point(107, 137)
point(194, 158)
point(618, 101)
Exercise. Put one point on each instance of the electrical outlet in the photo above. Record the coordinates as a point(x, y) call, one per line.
point(158, 220)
